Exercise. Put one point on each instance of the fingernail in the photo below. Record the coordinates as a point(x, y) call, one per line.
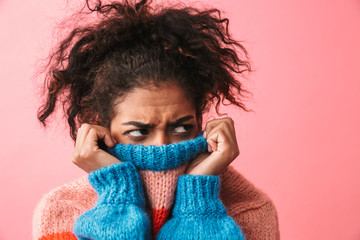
point(209, 148)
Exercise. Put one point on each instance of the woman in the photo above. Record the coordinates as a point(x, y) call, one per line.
point(135, 85)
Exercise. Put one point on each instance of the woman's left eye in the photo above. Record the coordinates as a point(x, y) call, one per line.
point(182, 129)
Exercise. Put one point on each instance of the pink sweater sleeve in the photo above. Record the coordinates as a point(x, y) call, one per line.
point(250, 208)
point(57, 211)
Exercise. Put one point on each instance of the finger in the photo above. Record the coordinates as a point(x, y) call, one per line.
point(213, 134)
point(97, 133)
point(84, 130)
point(78, 136)
point(212, 146)
point(213, 123)
point(222, 139)
point(77, 141)
point(210, 125)
point(105, 134)
point(216, 139)
point(228, 126)
point(211, 138)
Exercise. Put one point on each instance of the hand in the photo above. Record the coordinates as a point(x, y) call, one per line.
point(222, 148)
point(87, 155)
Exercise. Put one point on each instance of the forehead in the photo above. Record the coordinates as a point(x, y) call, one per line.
point(154, 104)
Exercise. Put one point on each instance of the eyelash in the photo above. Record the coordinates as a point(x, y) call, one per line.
point(187, 127)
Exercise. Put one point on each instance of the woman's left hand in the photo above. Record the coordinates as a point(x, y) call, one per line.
point(222, 148)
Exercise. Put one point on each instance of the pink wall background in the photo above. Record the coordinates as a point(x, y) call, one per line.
point(302, 146)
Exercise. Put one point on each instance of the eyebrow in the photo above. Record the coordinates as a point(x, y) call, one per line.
point(171, 124)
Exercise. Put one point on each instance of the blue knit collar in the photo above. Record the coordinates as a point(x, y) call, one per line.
point(160, 158)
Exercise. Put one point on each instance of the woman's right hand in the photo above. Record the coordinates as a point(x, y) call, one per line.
point(87, 154)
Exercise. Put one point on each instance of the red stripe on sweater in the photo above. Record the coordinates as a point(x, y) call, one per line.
point(59, 236)
point(159, 219)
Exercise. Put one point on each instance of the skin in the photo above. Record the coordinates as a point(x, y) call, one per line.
point(157, 116)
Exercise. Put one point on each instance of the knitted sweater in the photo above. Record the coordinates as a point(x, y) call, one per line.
point(148, 197)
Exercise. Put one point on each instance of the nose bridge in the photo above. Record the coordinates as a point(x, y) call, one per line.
point(161, 138)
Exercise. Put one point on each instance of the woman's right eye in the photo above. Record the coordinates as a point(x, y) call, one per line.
point(138, 134)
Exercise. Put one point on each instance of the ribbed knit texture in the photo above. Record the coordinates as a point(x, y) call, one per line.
point(119, 211)
point(251, 210)
point(198, 213)
point(112, 183)
point(198, 196)
point(159, 167)
point(160, 158)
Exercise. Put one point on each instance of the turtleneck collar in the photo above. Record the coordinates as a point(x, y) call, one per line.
point(161, 158)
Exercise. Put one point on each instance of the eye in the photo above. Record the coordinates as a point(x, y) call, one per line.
point(138, 134)
point(183, 129)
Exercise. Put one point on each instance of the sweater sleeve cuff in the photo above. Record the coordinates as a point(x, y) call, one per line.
point(118, 183)
point(198, 195)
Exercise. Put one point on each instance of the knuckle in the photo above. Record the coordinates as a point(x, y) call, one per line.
point(223, 123)
point(87, 126)
point(229, 120)
point(210, 122)
point(84, 154)
point(92, 131)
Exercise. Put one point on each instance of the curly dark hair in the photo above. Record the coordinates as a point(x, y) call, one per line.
point(134, 45)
